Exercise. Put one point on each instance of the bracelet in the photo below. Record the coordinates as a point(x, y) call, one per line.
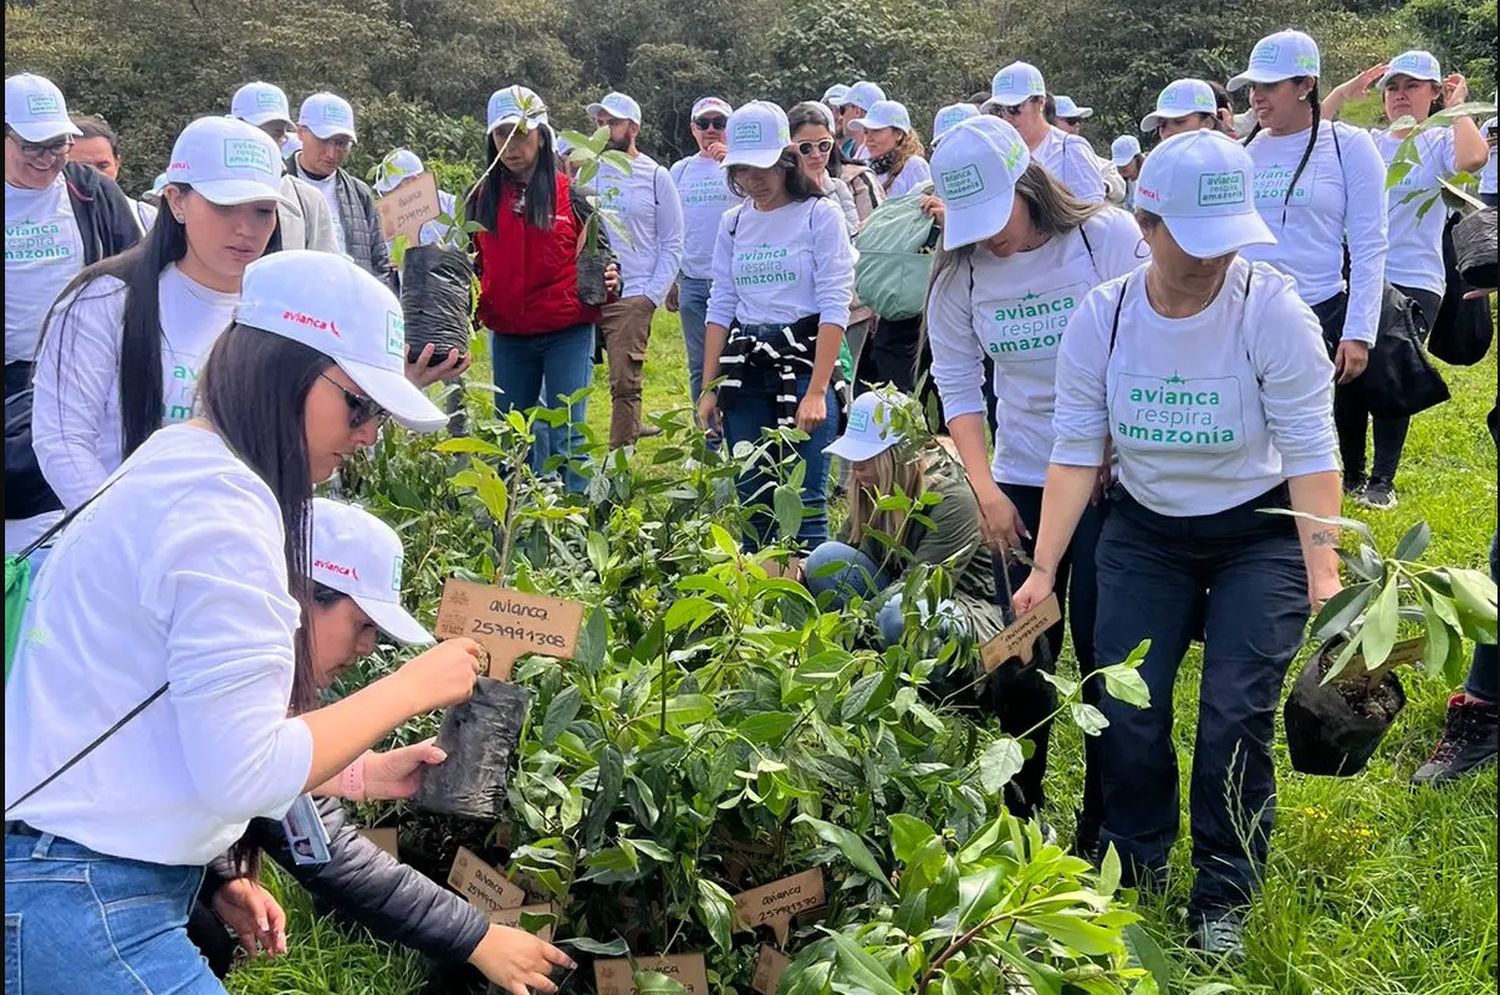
point(352, 780)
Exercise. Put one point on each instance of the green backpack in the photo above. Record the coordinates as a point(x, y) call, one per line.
point(18, 581)
point(895, 256)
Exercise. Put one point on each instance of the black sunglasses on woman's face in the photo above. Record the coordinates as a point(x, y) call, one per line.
point(711, 123)
point(361, 408)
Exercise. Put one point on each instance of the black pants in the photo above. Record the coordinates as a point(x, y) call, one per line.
point(890, 354)
point(17, 376)
point(1155, 573)
point(1351, 414)
point(1024, 699)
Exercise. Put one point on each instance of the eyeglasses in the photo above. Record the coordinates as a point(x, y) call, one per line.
point(1006, 110)
point(361, 408)
point(711, 123)
point(822, 145)
point(41, 153)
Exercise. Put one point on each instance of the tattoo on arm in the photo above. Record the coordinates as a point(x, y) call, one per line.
point(1325, 537)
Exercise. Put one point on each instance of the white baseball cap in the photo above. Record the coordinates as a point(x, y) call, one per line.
point(514, 103)
point(868, 432)
point(1201, 184)
point(1123, 150)
point(1066, 108)
point(974, 172)
point(35, 108)
point(1416, 64)
point(325, 301)
point(1178, 99)
point(883, 114)
point(757, 136)
point(261, 103)
point(705, 104)
point(395, 167)
point(863, 95)
point(616, 105)
point(1015, 84)
point(229, 162)
point(836, 94)
point(357, 554)
point(949, 116)
point(1280, 56)
point(327, 115)
point(152, 195)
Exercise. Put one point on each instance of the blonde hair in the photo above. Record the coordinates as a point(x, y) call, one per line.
point(910, 147)
point(897, 471)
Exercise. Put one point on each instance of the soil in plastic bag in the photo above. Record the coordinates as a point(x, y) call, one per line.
point(591, 289)
point(1474, 244)
point(435, 300)
point(1333, 729)
point(480, 736)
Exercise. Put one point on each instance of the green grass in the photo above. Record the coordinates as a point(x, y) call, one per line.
point(1372, 888)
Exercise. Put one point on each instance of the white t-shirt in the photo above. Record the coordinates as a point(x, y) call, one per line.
point(75, 415)
point(1205, 412)
point(43, 251)
point(702, 185)
point(328, 186)
point(913, 174)
point(1015, 311)
point(1487, 173)
point(145, 214)
point(175, 575)
point(1414, 257)
point(1071, 161)
point(646, 203)
point(782, 265)
point(1330, 205)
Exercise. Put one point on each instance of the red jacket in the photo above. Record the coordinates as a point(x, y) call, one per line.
point(528, 277)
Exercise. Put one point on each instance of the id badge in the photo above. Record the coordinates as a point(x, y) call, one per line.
point(306, 837)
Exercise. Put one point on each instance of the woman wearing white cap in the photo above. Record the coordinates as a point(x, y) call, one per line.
point(310, 225)
point(1320, 186)
point(853, 105)
point(884, 463)
point(1019, 254)
point(124, 780)
point(783, 279)
point(895, 148)
point(1018, 96)
point(1183, 105)
point(1412, 86)
point(1205, 373)
point(354, 599)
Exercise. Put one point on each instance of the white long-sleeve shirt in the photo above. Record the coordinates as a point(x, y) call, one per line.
point(782, 265)
point(1414, 257)
point(76, 428)
point(913, 174)
point(1205, 412)
point(1071, 161)
point(43, 252)
point(1015, 310)
point(175, 575)
point(646, 203)
point(702, 185)
point(1331, 205)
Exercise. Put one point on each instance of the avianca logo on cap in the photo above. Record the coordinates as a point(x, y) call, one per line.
point(960, 183)
point(859, 420)
point(395, 334)
point(265, 100)
point(300, 318)
point(335, 114)
point(180, 165)
point(1220, 189)
point(1146, 193)
point(337, 568)
point(504, 103)
point(43, 103)
point(1004, 82)
point(746, 131)
point(247, 153)
point(1265, 55)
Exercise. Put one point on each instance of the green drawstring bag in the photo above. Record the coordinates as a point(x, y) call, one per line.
point(896, 247)
point(18, 581)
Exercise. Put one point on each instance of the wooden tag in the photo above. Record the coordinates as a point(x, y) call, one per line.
point(406, 209)
point(508, 624)
point(512, 917)
point(1019, 638)
point(774, 904)
point(383, 838)
point(614, 977)
point(483, 885)
point(770, 965)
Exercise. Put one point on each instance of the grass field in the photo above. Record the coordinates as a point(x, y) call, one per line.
point(1372, 888)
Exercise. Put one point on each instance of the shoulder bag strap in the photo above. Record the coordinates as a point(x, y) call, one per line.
point(1114, 328)
point(60, 524)
point(1083, 233)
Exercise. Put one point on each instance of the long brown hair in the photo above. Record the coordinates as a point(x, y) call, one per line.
point(898, 470)
point(910, 147)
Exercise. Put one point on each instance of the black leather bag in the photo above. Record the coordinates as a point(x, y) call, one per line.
point(1400, 380)
point(1474, 247)
point(27, 492)
point(1463, 329)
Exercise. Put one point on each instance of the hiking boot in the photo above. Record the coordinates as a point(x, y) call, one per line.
point(1353, 485)
point(1471, 735)
point(1378, 494)
point(1221, 935)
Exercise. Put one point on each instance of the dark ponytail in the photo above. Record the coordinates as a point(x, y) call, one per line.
point(1316, 103)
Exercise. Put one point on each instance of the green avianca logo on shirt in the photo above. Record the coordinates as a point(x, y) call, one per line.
point(30, 241)
point(247, 153)
point(395, 334)
point(1221, 189)
point(1163, 413)
point(1271, 183)
point(763, 264)
point(960, 183)
point(1031, 327)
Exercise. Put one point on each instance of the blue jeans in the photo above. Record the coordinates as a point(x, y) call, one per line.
point(692, 306)
point(559, 362)
point(755, 409)
point(861, 577)
point(1240, 572)
point(79, 921)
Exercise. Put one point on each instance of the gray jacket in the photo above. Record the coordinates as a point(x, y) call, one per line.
point(314, 229)
point(364, 241)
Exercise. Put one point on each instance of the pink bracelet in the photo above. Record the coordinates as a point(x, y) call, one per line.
point(352, 780)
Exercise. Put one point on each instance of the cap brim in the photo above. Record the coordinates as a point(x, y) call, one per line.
point(1121, 163)
point(511, 120)
point(1249, 76)
point(759, 158)
point(333, 131)
point(857, 450)
point(1209, 238)
point(1152, 121)
point(975, 224)
point(1384, 80)
point(1006, 100)
point(40, 131)
point(394, 621)
point(228, 193)
point(396, 394)
point(262, 119)
point(1083, 112)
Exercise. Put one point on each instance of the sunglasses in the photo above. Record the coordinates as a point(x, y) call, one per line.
point(822, 145)
point(50, 150)
point(711, 123)
point(1009, 111)
point(361, 409)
